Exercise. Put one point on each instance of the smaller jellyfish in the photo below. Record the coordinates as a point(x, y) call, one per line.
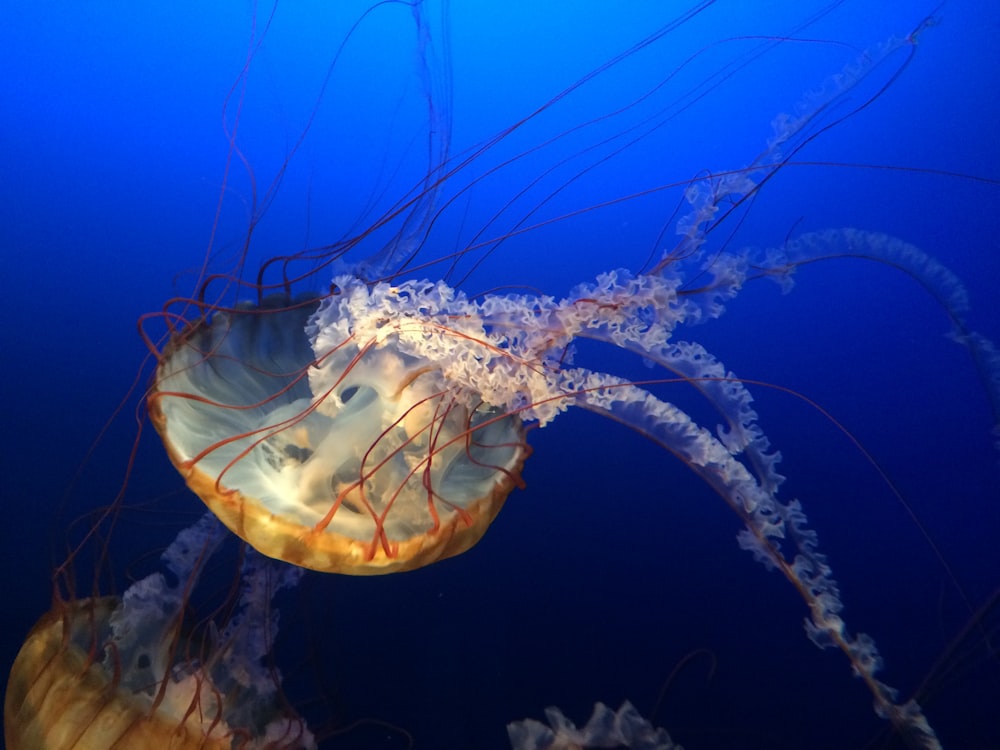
point(130, 673)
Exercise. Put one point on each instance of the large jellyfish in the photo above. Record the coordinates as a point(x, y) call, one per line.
point(366, 406)
point(381, 427)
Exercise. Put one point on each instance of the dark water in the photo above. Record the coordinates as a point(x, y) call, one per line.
point(615, 562)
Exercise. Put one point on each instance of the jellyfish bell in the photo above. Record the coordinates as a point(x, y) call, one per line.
point(129, 672)
point(361, 459)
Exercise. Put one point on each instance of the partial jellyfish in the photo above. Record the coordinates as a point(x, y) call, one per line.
point(134, 672)
point(368, 406)
point(605, 728)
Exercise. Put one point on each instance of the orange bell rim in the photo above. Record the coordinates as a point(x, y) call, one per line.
point(57, 697)
point(330, 552)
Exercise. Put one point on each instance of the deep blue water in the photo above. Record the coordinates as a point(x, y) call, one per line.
point(616, 561)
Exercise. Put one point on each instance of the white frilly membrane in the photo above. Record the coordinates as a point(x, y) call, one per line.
point(605, 729)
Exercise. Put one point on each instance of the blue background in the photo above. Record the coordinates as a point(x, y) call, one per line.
point(615, 561)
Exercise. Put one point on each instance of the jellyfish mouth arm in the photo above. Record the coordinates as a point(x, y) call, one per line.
point(714, 198)
point(506, 351)
point(769, 525)
point(606, 728)
point(935, 278)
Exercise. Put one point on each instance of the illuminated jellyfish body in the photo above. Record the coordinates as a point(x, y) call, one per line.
point(108, 672)
point(415, 471)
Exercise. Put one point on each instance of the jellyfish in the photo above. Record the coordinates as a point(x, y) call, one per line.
point(129, 672)
point(380, 425)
